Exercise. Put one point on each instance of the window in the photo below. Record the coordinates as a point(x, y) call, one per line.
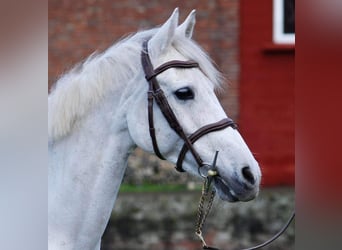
point(284, 21)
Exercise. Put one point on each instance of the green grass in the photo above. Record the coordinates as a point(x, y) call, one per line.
point(146, 187)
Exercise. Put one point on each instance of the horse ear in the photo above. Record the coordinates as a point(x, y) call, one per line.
point(187, 27)
point(164, 36)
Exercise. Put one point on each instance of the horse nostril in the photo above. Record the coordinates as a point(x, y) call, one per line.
point(247, 174)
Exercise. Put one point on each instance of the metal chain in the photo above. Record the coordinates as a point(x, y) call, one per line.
point(201, 213)
point(202, 216)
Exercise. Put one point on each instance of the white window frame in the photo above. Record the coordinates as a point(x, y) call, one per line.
point(279, 36)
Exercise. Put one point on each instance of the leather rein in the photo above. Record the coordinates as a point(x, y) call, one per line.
point(155, 93)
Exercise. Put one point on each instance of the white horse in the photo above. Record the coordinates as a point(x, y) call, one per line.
point(98, 115)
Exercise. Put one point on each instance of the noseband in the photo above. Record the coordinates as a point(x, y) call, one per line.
point(157, 94)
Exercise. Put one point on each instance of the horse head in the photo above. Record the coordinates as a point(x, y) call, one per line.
point(190, 94)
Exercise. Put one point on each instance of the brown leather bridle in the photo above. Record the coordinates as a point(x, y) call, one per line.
point(157, 94)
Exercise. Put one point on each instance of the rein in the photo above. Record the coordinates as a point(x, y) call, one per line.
point(203, 213)
point(208, 195)
point(207, 171)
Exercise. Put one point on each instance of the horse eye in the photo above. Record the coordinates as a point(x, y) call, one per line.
point(185, 93)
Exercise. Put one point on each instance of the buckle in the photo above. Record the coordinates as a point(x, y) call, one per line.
point(208, 170)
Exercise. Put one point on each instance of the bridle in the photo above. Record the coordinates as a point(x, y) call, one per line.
point(206, 170)
point(157, 94)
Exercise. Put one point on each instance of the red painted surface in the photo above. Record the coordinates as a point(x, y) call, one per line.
point(266, 94)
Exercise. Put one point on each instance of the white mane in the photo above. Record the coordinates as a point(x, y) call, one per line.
point(87, 83)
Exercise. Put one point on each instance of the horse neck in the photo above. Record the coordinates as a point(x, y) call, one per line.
point(99, 138)
point(85, 172)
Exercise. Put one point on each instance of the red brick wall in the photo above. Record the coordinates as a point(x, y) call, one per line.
point(267, 93)
point(79, 27)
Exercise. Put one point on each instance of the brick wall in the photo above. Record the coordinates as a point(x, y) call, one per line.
point(166, 221)
point(79, 27)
